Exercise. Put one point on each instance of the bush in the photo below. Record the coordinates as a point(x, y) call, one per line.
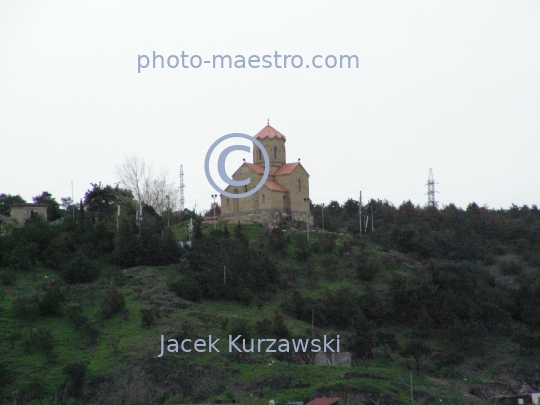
point(23, 255)
point(75, 316)
point(187, 288)
point(75, 372)
point(277, 240)
point(303, 251)
point(147, 318)
point(510, 267)
point(25, 307)
point(29, 390)
point(367, 267)
point(40, 340)
point(113, 303)
point(8, 276)
point(80, 269)
point(91, 333)
point(327, 242)
point(52, 301)
point(263, 328)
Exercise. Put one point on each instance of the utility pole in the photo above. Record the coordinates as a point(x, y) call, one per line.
point(72, 201)
point(168, 208)
point(307, 217)
point(360, 211)
point(431, 190)
point(323, 217)
point(139, 217)
point(372, 221)
point(117, 217)
point(214, 197)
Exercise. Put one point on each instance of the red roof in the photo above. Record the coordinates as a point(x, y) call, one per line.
point(287, 168)
point(269, 132)
point(254, 167)
point(272, 185)
point(324, 401)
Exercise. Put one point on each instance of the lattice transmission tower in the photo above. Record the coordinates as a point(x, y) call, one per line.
point(182, 201)
point(431, 190)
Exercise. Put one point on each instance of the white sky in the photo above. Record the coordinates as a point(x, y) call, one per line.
point(448, 85)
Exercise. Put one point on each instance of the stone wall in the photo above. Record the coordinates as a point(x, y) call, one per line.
point(269, 217)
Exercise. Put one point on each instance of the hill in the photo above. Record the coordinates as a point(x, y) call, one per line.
point(447, 299)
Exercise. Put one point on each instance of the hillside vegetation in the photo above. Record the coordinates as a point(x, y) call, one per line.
point(449, 298)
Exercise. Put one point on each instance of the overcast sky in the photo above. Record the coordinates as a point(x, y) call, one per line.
point(448, 85)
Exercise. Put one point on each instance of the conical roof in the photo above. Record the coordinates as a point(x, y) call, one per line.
point(269, 132)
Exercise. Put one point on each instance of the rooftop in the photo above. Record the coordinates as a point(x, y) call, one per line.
point(269, 132)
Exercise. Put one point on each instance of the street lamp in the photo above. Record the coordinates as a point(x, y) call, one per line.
point(307, 217)
point(214, 197)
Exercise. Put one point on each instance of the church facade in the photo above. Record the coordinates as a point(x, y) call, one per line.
point(284, 195)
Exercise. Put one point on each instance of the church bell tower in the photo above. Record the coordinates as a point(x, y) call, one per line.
point(274, 143)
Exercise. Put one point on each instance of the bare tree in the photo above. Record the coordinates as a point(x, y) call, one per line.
point(147, 186)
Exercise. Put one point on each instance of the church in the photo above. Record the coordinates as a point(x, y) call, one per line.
point(284, 195)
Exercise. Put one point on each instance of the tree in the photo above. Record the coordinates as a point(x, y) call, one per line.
point(54, 211)
point(147, 186)
point(7, 200)
point(418, 350)
point(102, 200)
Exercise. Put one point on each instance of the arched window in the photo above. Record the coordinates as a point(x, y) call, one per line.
point(260, 154)
point(227, 202)
point(263, 197)
point(299, 185)
point(275, 152)
point(245, 189)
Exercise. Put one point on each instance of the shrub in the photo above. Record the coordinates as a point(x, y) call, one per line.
point(303, 251)
point(8, 276)
point(113, 303)
point(28, 390)
point(80, 269)
point(187, 288)
point(263, 328)
point(40, 340)
point(510, 267)
point(346, 246)
point(327, 242)
point(75, 372)
point(277, 240)
point(75, 316)
point(91, 333)
point(22, 256)
point(147, 318)
point(25, 307)
point(52, 301)
point(5, 376)
point(367, 267)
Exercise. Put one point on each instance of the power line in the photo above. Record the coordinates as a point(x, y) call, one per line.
point(431, 190)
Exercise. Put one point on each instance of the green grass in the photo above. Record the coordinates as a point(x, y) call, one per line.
point(266, 379)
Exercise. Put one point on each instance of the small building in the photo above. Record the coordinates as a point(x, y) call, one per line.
point(284, 195)
point(19, 213)
point(341, 359)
